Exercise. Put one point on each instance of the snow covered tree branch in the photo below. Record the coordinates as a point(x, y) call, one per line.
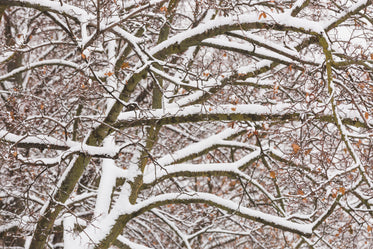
point(186, 124)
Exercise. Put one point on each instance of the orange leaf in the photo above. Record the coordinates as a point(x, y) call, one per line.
point(371, 56)
point(342, 190)
point(295, 147)
point(109, 74)
point(83, 56)
point(307, 152)
point(369, 228)
point(232, 183)
point(366, 115)
point(125, 65)
point(359, 143)
point(41, 106)
point(263, 14)
point(233, 108)
point(15, 153)
point(275, 88)
point(12, 115)
point(272, 174)
point(163, 9)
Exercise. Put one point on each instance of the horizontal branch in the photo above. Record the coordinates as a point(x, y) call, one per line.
point(230, 206)
point(249, 112)
point(82, 149)
point(51, 62)
point(198, 113)
point(38, 141)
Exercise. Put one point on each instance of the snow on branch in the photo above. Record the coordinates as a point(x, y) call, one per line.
point(198, 113)
point(51, 62)
point(186, 169)
point(181, 41)
point(37, 141)
point(53, 6)
point(99, 232)
point(129, 244)
point(344, 15)
point(198, 148)
point(93, 151)
point(251, 112)
point(249, 49)
point(230, 206)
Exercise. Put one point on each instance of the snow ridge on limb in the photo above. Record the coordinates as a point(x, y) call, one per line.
point(38, 141)
point(268, 219)
point(101, 233)
point(100, 152)
point(53, 6)
point(185, 169)
point(52, 62)
point(180, 42)
point(290, 164)
point(199, 147)
point(251, 112)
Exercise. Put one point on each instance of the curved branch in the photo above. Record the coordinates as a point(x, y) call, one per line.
point(281, 22)
point(57, 62)
point(197, 197)
point(67, 10)
point(230, 206)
